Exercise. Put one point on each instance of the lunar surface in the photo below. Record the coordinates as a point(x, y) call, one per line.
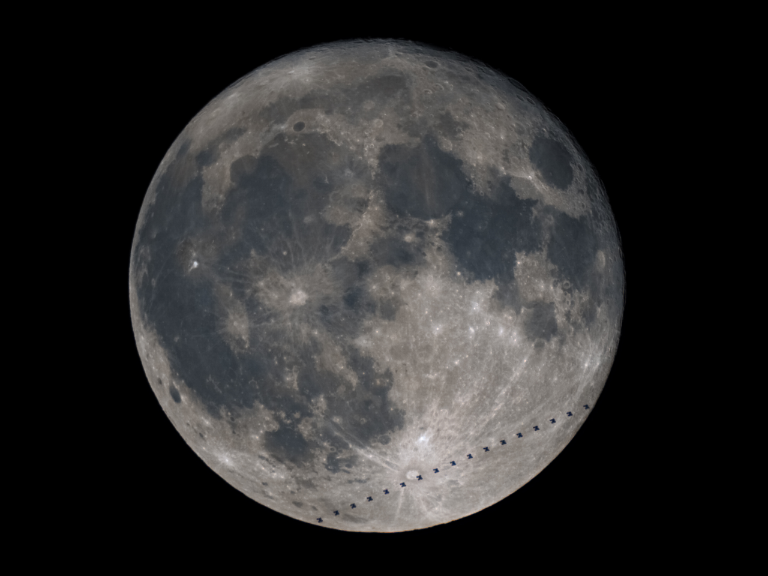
point(365, 262)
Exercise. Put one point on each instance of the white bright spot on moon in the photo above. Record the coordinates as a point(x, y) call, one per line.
point(298, 298)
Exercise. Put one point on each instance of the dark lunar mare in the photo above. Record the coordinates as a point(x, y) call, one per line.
point(423, 182)
point(553, 162)
point(265, 214)
point(487, 231)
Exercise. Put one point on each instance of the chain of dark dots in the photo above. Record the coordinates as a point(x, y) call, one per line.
point(452, 463)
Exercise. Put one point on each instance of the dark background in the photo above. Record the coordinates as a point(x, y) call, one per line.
point(611, 485)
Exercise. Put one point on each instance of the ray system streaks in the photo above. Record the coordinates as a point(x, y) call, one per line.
point(452, 463)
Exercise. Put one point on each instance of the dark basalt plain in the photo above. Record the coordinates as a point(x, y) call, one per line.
point(316, 263)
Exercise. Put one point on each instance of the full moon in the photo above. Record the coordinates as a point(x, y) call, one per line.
point(376, 286)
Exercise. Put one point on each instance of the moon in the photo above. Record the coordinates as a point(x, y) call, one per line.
point(376, 286)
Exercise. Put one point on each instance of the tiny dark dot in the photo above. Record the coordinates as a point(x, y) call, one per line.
point(431, 64)
point(299, 126)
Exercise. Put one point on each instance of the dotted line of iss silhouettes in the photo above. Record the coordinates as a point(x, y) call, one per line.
point(452, 462)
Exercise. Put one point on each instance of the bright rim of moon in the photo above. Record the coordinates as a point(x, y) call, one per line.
point(364, 262)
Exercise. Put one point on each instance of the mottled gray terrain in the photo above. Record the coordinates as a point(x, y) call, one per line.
point(365, 260)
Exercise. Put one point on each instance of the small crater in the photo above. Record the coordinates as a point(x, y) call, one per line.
point(600, 259)
point(430, 64)
point(174, 393)
point(299, 126)
point(298, 298)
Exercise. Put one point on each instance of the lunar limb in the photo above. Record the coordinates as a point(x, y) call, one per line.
point(365, 260)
